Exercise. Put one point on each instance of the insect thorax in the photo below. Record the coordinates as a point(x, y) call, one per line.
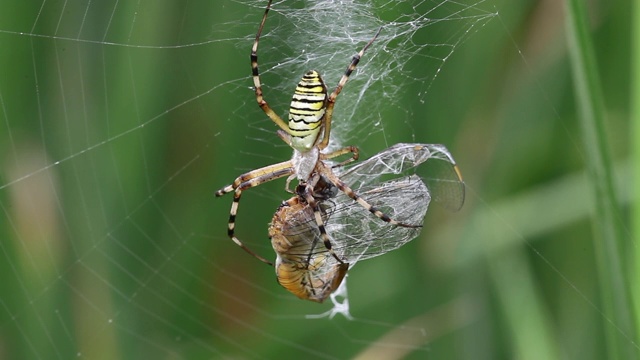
point(307, 111)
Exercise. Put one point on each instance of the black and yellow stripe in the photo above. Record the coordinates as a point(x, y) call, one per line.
point(307, 109)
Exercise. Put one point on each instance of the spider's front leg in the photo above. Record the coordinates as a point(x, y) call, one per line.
point(355, 154)
point(247, 181)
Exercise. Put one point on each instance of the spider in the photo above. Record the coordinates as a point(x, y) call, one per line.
point(307, 132)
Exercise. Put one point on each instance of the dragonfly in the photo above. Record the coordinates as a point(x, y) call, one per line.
point(400, 181)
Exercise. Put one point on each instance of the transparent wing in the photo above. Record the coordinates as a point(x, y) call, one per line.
point(357, 235)
point(401, 181)
point(441, 174)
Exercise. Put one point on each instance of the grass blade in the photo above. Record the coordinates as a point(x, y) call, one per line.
point(620, 333)
point(635, 144)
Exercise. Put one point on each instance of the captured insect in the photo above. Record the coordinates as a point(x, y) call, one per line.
point(307, 132)
point(300, 268)
point(392, 181)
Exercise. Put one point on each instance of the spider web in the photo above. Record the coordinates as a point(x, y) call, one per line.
point(112, 110)
point(120, 119)
point(414, 43)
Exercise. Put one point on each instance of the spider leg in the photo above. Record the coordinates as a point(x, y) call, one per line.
point(355, 153)
point(308, 196)
point(327, 173)
point(287, 185)
point(256, 78)
point(258, 173)
point(284, 136)
point(247, 181)
point(332, 98)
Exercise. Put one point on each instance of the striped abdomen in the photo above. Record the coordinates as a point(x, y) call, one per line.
point(307, 110)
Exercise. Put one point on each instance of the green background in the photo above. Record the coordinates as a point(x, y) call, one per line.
point(117, 127)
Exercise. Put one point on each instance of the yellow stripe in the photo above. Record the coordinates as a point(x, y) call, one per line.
point(307, 110)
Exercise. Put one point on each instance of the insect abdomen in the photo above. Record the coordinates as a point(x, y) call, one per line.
point(314, 284)
point(303, 266)
point(307, 110)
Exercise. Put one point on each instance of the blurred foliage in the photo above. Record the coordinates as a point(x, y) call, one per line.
point(114, 140)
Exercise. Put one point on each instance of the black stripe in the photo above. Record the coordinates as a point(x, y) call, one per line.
point(306, 100)
point(298, 115)
point(304, 111)
point(297, 121)
point(309, 92)
point(254, 63)
point(309, 84)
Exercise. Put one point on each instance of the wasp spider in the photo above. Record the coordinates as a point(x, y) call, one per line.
point(307, 132)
